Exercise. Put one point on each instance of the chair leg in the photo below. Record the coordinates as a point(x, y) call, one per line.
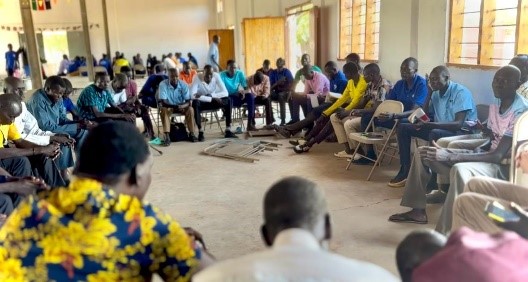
point(217, 121)
point(353, 155)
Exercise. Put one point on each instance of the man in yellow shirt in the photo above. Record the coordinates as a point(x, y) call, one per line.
point(353, 93)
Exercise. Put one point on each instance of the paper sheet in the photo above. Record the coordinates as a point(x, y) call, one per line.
point(205, 99)
point(313, 100)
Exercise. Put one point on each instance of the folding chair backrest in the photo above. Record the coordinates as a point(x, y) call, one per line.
point(520, 139)
point(389, 106)
point(139, 67)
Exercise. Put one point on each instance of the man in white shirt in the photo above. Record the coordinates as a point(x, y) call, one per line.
point(169, 62)
point(64, 64)
point(297, 227)
point(208, 93)
point(30, 131)
point(213, 56)
point(117, 89)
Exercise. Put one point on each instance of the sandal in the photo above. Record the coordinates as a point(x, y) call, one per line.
point(406, 217)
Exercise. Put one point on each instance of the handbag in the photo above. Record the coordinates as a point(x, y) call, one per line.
point(178, 132)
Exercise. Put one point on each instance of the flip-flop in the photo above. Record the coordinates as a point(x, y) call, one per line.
point(155, 141)
point(404, 217)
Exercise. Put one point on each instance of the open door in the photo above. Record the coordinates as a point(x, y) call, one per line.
point(264, 38)
point(226, 48)
point(302, 28)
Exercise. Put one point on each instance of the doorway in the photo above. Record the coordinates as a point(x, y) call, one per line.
point(226, 48)
point(301, 33)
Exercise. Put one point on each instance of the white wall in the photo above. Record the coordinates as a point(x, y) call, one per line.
point(408, 28)
point(156, 27)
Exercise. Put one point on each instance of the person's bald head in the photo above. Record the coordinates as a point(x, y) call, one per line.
point(294, 202)
point(10, 108)
point(439, 78)
point(120, 82)
point(506, 81)
point(14, 85)
point(521, 62)
point(372, 73)
point(415, 249)
point(307, 71)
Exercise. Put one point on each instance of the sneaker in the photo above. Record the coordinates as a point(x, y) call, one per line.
point(299, 149)
point(192, 138)
point(201, 137)
point(362, 161)
point(283, 132)
point(343, 154)
point(436, 197)
point(238, 130)
point(229, 134)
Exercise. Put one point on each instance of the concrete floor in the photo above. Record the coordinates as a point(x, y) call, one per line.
point(223, 198)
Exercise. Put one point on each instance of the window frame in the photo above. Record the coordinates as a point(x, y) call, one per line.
point(368, 25)
point(520, 37)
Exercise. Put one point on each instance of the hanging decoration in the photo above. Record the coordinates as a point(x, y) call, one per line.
point(41, 5)
point(74, 27)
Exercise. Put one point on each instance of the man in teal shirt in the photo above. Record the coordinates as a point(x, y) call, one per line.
point(235, 82)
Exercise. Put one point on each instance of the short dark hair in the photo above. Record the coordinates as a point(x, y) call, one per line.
point(67, 84)
point(350, 67)
point(208, 67)
point(111, 149)
point(99, 75)
point(158, 68)
point(54, 81)
point(410, 60)
point(372, 66)
point(230, 62)
point(331, 64)
point(353, 57)
point(266, 62)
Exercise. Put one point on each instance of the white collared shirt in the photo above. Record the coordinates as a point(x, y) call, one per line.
point(29, 129)
point(216, 87)
point(295, 256)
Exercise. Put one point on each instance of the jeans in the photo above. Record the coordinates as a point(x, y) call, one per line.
point(236, 102)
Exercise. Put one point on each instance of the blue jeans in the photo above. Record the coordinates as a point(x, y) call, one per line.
point(406, 131)
point(236, 102)
point(65, 160)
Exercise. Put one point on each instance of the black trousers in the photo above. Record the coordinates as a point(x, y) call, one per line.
point(266, 102)
point(19, 167)
point(282, 98)
point(199, 106)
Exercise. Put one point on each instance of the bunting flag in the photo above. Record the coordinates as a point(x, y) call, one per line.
point(48, 4)
point(41, 5)
point(75, 27)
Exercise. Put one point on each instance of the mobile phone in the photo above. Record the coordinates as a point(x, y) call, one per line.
point(499, 213)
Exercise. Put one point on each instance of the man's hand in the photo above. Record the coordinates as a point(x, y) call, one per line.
point(27, 185)
point(428, 82)
point(342, 113)
point(439, 154)
point(196, 96)
point(195, 236)
point(66, 140)
point(521, 226)
point(129, 117)
point(86, 124)
point(52, 150)
point(356, 113)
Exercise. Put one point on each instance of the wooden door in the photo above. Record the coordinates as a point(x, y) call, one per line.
point(264, 38)
point(226, 48)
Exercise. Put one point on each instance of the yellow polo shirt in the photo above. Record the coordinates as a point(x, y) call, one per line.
point(10, 132)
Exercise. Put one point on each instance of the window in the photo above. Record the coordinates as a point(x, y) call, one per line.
point(487, 32)
point(359, 28)
point(219, 6)
point(299, 9)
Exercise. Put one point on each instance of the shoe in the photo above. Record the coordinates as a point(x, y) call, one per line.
point(156, 141)
point(436, 197)
point(282, 123)
point(192, 138)
point(229, 134)
point(343, 154)
point(363, 161)
point(166, 142)
point(238, 130)
point(201, 136)
point(251, 128)
point(399, 180)
point(408, 217)
point(283, 132)
point(291, 122)
point(299, 149)
point(297, 142)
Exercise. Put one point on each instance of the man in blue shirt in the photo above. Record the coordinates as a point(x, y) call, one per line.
point(338, 81)
point(175, 98)
point(281, 80)
point(11, 58)
point(449, 106)
point(213, 56)
point(192, 59)
point(235, 82)
point(151, 86)
point(47, 107)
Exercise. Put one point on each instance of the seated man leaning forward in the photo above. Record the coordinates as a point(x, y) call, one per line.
point(98, 228)
point(346, 122)
point(175, 98)
point(462, 165)
point(25, 158)
point(95, 98)
point(28, 127)
point(297, 229)
point(353, 94)
point(209, 93)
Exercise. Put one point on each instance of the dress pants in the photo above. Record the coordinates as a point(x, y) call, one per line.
point(199, 106)
point(166, 113)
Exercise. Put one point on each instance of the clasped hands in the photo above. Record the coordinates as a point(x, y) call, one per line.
point(439, 154)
